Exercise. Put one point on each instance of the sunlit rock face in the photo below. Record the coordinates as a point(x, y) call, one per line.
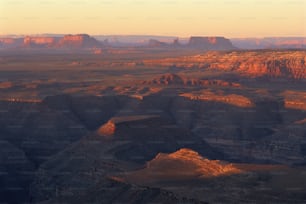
point(39, 41)
point(78, 41)
point(108, 129)
point(10, 42)
point(269, 64)
point(68, 41)
point(231, 99)
point(177, 162)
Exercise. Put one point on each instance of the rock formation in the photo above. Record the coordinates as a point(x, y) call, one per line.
point(108, 129)
point(79, 41)
point(270, 64)
point(68, 41)
point(11, 42)
point(155, 43)
point(39, 42)
point(186, 162)
point(210, 43)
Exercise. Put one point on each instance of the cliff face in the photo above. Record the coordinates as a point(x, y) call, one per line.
point(179, 162)
point(39, 41)
point(7, 40)
point(207, 43)
point(68, 41)
point(78, 41)
point(10, 42)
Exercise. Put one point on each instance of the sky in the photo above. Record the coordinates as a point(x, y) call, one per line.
point(182, 18)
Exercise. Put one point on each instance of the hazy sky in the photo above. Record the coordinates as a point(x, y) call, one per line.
point(231, 18)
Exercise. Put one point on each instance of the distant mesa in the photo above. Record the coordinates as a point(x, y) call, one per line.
point(7, 40)
point(194, 42)
point(156, 43)
point(210, 43)
point(67, 41)
point(10, 42)
point(200, 43)
point(29, 41)
point(79, 41)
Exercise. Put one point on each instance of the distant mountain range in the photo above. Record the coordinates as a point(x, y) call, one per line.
point(195, 42)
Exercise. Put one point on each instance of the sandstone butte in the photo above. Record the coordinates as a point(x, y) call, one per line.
point(218, 43)
point(80, 40)
point(38, 40)
point(71, 41)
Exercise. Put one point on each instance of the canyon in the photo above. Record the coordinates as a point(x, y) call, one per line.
point(151, 123)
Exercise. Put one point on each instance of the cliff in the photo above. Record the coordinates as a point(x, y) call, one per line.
point(10, 42)
point(210, 43)
point(67, 41)
point(79, 41)
point(29, 41)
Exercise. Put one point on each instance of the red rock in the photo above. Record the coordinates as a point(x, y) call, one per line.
point(79, 41)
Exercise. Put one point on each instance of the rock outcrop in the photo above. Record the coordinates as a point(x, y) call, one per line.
point(187, 163)
point(231, 99)
point(108, 129)
point(79, 41)
point(155, 43)
point(39, 42)
point(210, 43)
point(11, 42)
point(68, 41)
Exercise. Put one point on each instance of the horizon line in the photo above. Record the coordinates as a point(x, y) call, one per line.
point(157, 35)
